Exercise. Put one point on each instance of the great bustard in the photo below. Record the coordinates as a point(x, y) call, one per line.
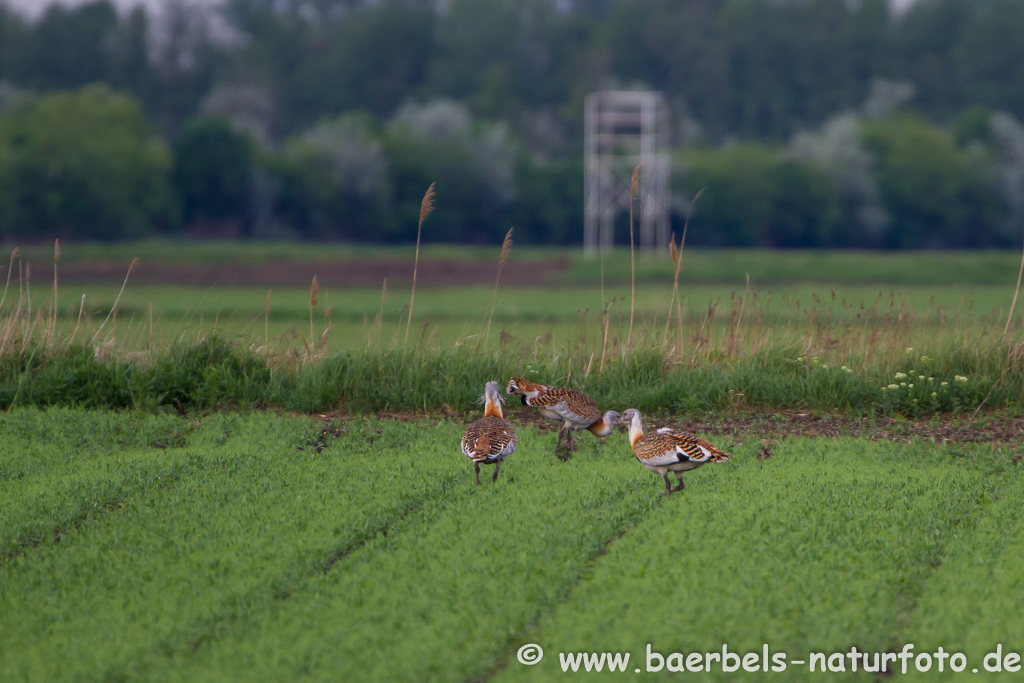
point(573, 408)
point(490, 439)
point(668, 450)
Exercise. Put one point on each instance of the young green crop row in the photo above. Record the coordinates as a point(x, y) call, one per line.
point(265, 557)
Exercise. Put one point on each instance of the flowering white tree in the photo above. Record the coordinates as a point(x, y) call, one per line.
point(1008, 140)
point(487, 146)
point(838, 149)
point(354, 159)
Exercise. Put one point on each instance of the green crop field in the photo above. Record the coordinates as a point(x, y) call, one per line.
point(254, 546)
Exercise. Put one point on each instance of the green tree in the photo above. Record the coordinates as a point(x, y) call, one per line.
point(938, 194)
point(68, 47)
point(213, 172)
point(83, 165)
point(13, 36)
point(473, 164)
point(757, 196)
point(334, 181)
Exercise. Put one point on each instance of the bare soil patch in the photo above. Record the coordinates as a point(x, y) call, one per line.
point(1000, 430)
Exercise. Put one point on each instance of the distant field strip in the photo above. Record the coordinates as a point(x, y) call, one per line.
point(280, 550)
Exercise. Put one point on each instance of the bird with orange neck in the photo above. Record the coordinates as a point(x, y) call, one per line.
point(489, 440)
point(668, 450)
point(573, 408)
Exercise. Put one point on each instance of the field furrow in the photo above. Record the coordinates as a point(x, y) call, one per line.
point(60, 467)
point(974, 601)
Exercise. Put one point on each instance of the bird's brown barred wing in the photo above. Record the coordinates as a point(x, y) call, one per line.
point(572, 405)
point(488, 438)
point(669, 447)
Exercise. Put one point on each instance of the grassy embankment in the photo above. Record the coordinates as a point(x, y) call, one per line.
point(777, 345)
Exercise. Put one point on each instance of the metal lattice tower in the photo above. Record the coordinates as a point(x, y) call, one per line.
point(623, 129)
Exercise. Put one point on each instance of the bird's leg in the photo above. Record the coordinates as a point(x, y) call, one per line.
point(476, 466)
point(497, 467)
point(564, 433)
point(679, 476)
point(668, 485)
point(568, 434)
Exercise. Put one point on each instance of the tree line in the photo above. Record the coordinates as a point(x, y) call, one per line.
point(810, 123)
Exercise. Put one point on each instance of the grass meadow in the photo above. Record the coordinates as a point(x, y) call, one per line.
point(254, 546)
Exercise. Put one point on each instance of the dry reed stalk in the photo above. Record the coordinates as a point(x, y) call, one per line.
point(9, 325)
point(633, 185)
point(150, 345)
point(28, 290)
point(16, 316)
point(426, 208)
point(81, 308)
point(314, 290)
point(604, 341)
point(53, 319)
point(1015, 292)
point(322, 344)
point(134, 264)
point(15, 254)
point(380, 316)
point(506, 247)
point(674, 255)
point(743, 303)
point(266, 320)
point(679, 265)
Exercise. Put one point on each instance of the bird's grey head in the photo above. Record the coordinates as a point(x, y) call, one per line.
point(491, 393)
point(627, 417)
point(612, 418)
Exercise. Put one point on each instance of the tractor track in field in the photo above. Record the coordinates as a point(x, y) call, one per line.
point(328, 563)
point(515, 642)
point(96, 509)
